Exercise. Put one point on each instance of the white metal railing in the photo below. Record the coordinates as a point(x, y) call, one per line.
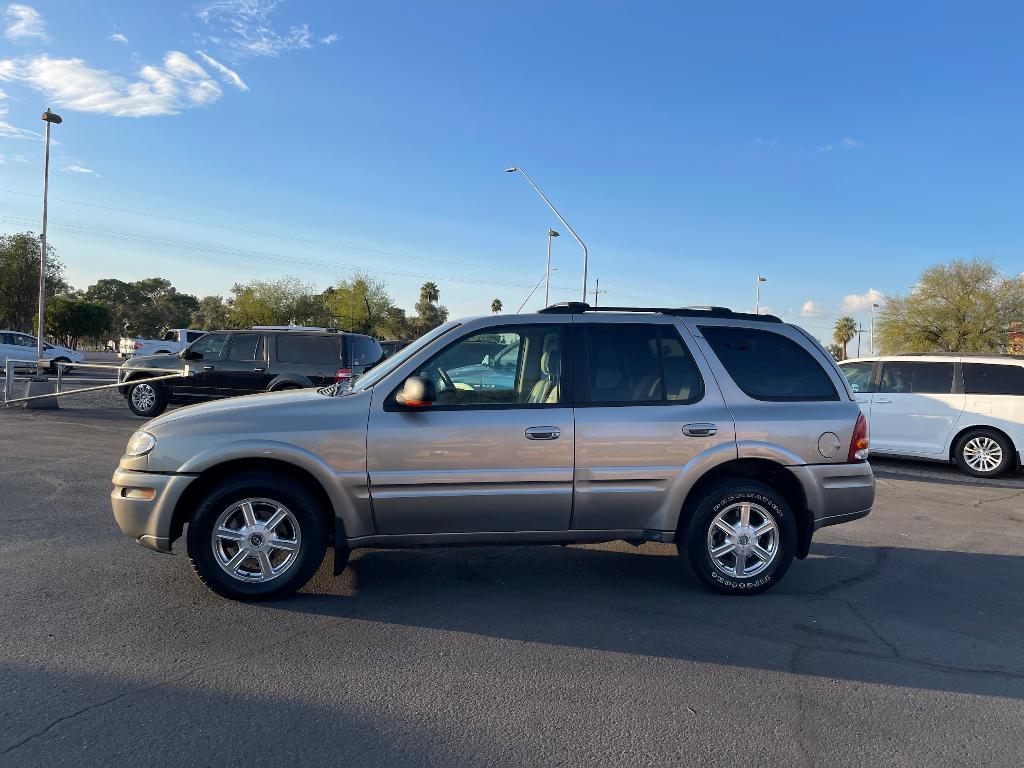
point(119, 378)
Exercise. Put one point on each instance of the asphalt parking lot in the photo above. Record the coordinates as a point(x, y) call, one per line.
point(898, 642)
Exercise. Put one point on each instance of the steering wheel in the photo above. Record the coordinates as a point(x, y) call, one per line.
point(448, 383)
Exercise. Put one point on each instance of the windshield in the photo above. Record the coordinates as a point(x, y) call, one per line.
point(369, 379)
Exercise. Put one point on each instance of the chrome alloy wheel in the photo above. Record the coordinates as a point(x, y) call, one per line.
point(982, 453)
point(743, 540)
point(256, 540)
point(143, 396)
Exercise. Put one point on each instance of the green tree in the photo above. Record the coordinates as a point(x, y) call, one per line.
point(124, 301)
point(286, 301)
point(963, 306)
point(843, 332)
point(835, 350)
point(495, 306)
point(213, 313)
point(143, 308)
point(360, 304)
point(71, 318)
point(19, 279)
point(429, 313)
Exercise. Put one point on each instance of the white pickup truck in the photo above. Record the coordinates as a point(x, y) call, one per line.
point(172, 343)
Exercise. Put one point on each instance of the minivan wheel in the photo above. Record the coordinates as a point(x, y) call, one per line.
point(256, 536)
point(983, 453)
point(147, 399)
point(741, 538)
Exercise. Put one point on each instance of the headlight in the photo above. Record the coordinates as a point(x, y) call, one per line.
point(140, 444)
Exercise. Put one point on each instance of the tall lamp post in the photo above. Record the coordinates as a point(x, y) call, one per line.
point(547, 270)
point(757, 295)
point(871, 337)
point(565, 223)
point(50, 119)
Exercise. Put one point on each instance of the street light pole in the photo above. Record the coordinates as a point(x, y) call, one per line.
point(757, 295)
point(547, 270)
point(565, 223)
point(50, 119)
point(871, 338)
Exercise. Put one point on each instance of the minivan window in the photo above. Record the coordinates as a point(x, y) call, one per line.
point(768, 366)
point(993, 379)
point(244, 347)
point(919, 378)
point(629, 363)
point(365, 351)
point(299, 348)
point(858, 374)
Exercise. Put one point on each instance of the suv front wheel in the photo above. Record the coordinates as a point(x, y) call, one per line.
point(257, 535)
point(741, 538)
point(147, 399)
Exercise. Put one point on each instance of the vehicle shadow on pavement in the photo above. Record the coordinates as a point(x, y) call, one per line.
point(897, 616)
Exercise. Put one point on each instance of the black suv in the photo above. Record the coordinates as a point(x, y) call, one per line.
point(229, 363)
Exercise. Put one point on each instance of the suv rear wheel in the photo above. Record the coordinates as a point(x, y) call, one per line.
point(256, 536)
point(983, 453)
point(147, 399)
point(741, 538)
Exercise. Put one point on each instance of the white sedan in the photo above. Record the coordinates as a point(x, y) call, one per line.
point(22, 346)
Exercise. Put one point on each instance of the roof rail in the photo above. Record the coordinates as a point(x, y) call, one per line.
point(1009, 355)
point(579, 307)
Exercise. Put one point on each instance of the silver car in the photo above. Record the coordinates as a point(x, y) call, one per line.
point(734, 436)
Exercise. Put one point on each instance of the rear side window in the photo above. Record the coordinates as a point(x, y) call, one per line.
point(639, 364)
point(768, 366)
point(245, 347)
point(365, 351)
point(191, 336)
point(915, 378)
point(991, 379)
point(308, 350)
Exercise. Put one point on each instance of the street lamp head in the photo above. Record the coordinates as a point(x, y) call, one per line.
point(513, 169)
point(762, 279)
point(874, 306)
point(552, 233)
point(51, 117)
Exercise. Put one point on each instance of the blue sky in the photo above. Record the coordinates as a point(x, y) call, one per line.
point(837, 148)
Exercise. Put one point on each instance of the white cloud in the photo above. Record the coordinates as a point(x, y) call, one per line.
point(812, 309)
point(118, 37)
point(7, 130)
point(826, 148)
point(849, 143)
point(765, 142)
point(227, 75)
point(862, 302)
point(24, 22)
point(79, 169)
point(180, 83)
point(2, 159)
point(243, 29)
point(20, 159)
point(330, 39)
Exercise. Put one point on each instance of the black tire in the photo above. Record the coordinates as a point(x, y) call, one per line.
point(983, 447)
point(53, 364)
point(146, 399)
point(282, 491)
point(723, 498)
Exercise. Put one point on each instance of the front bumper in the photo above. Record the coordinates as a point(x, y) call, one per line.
point(837, 493)
point(143, 504)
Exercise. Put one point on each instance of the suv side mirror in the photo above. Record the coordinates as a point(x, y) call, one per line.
point(417, 392)
point(187, 354)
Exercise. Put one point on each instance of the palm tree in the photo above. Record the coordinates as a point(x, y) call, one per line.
point(495, 306)
point(844, 331)
point(429, 292)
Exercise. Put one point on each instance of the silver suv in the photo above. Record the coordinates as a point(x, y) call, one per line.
point(734, 436)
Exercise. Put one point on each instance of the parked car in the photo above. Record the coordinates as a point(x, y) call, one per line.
point(230, 363)
point(171, 344)
point(966, 409)
point(734, 436)
point(23, 346)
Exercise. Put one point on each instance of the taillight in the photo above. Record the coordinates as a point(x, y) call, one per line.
point(860, 442)
point(343, 374)
point(138, 345)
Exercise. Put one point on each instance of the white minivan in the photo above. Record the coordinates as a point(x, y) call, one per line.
point(968, 409)
point(22, 346)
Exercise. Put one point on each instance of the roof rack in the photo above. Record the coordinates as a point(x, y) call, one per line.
point(579, 307)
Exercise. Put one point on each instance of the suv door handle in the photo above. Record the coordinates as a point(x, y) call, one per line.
point(542, 433)
point(700, 430)
point(207, 367)
point(258, 370)
point(883, 399)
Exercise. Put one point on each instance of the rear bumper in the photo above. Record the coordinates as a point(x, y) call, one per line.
point(836, 493)
point(147, 520)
